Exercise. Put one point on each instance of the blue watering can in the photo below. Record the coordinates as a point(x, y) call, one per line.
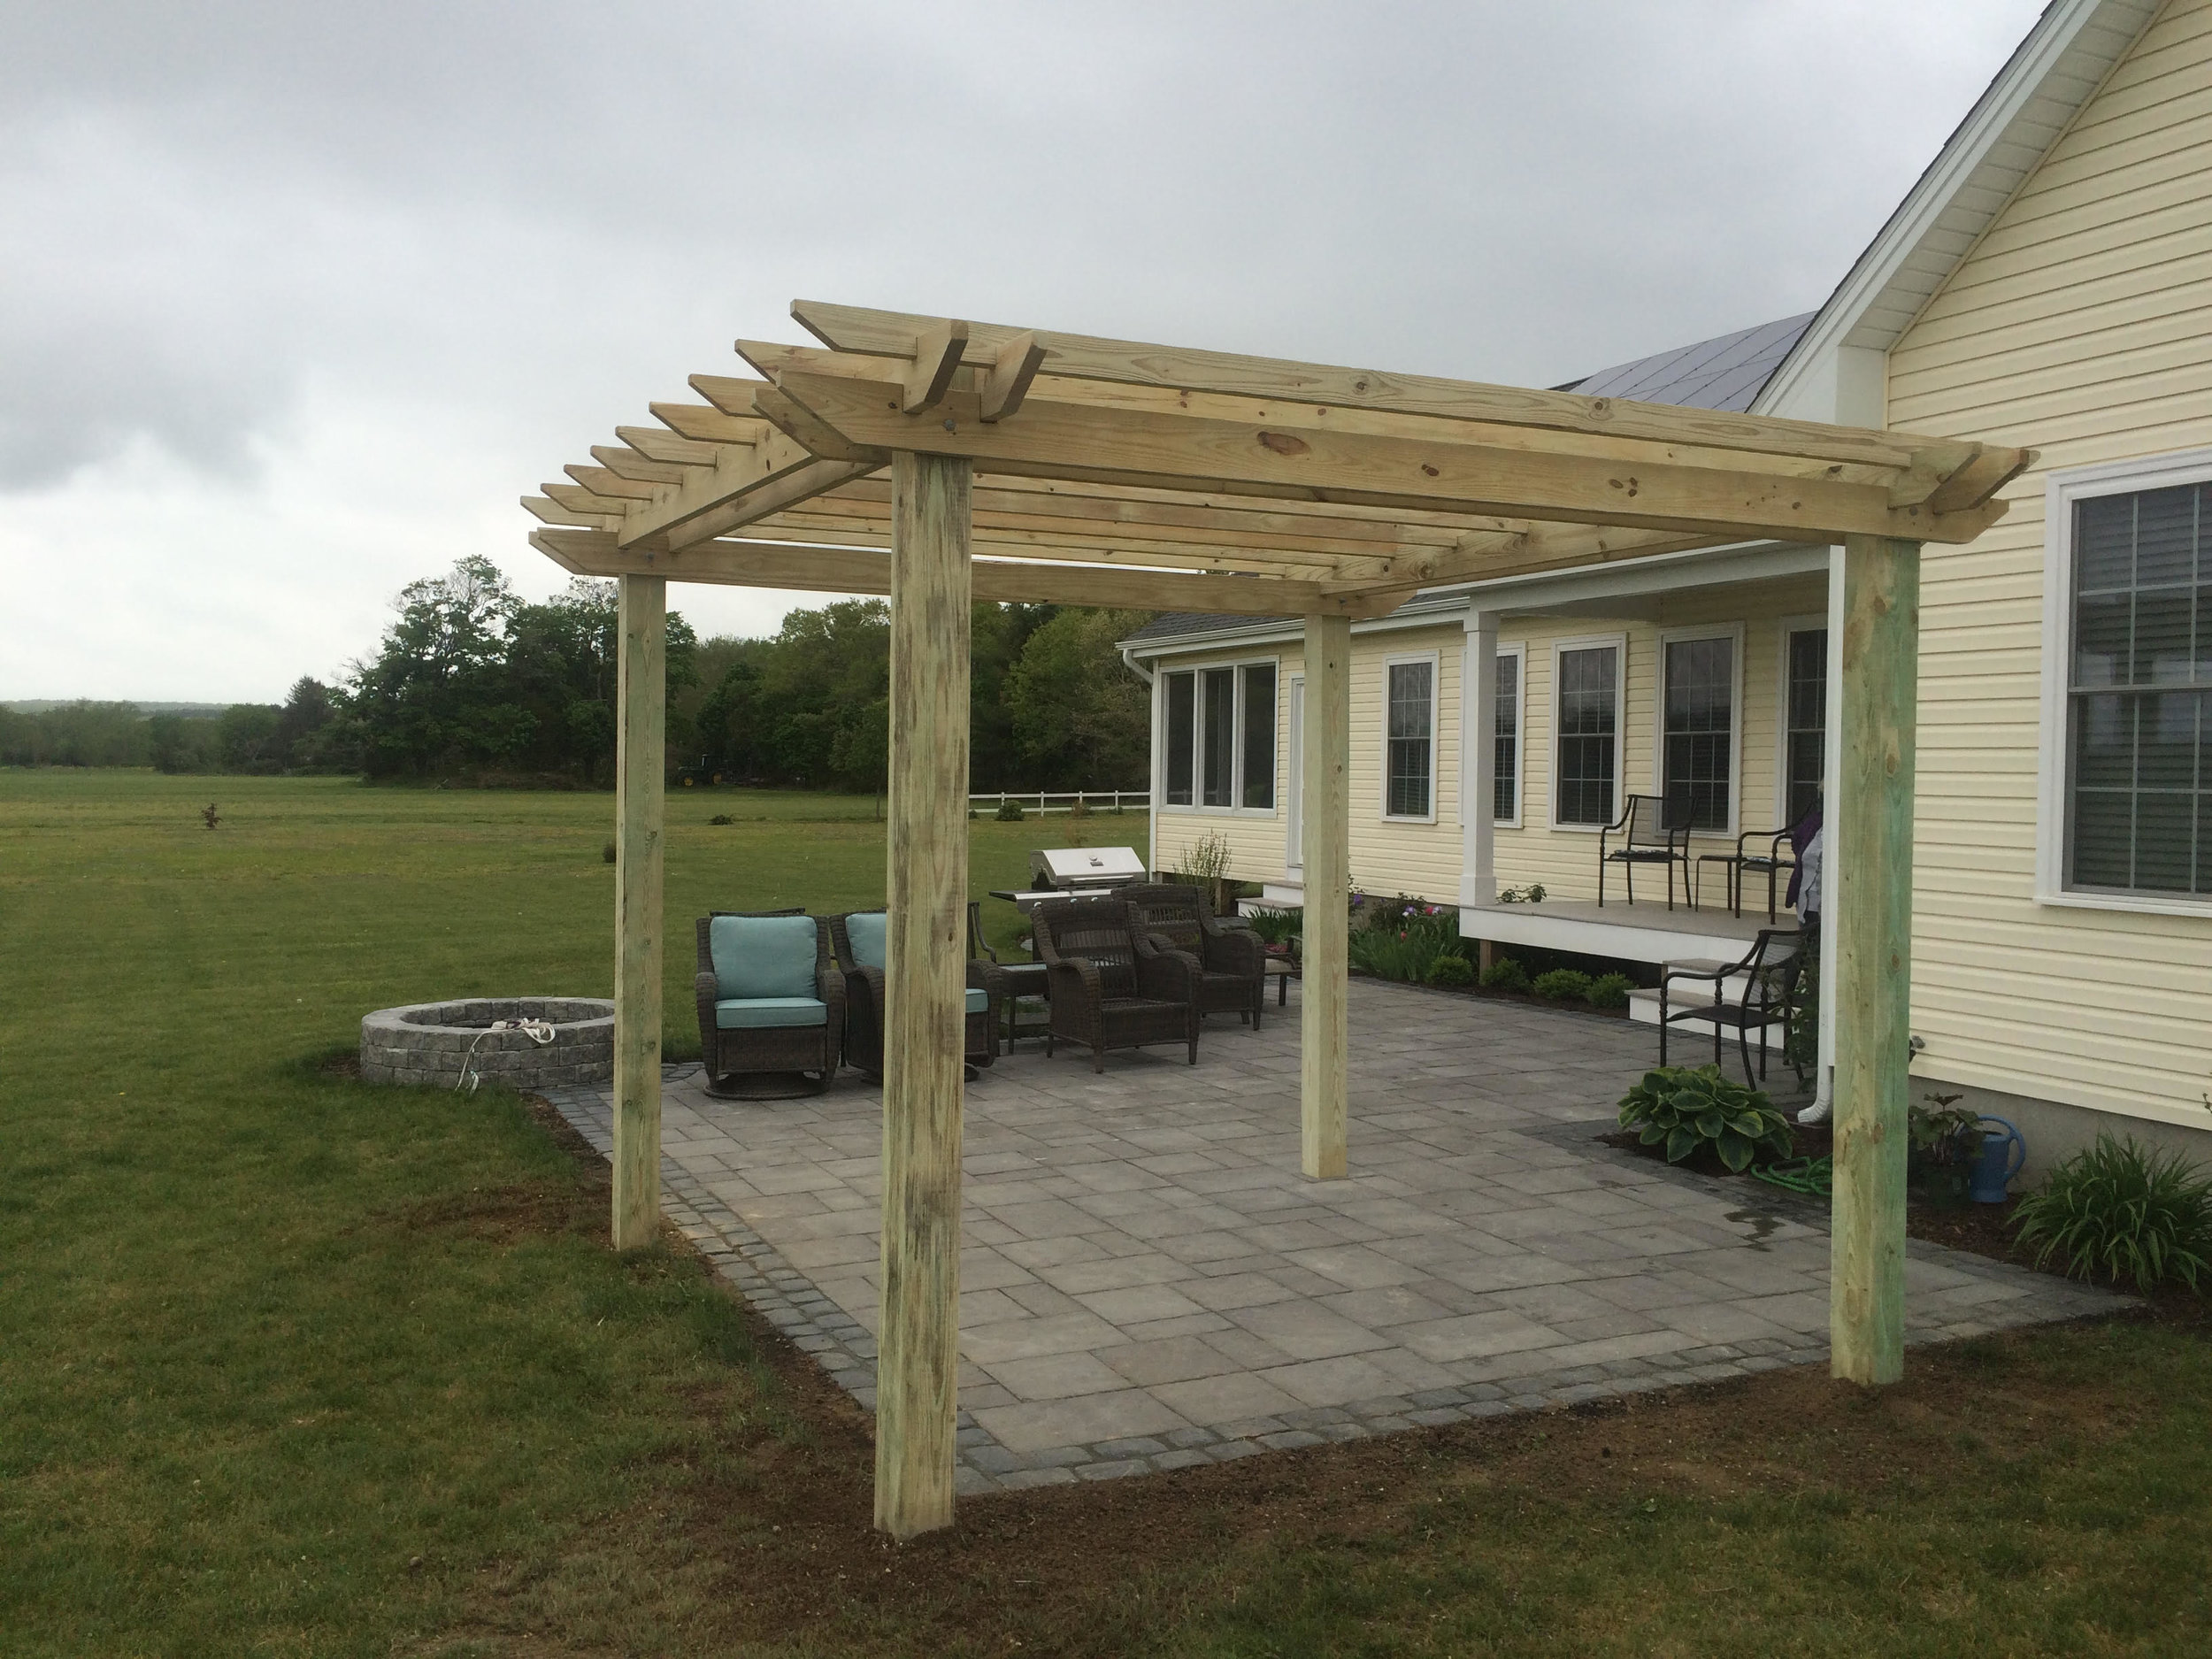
point(2003, 1153)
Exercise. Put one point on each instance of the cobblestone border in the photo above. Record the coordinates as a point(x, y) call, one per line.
point(789, 1300)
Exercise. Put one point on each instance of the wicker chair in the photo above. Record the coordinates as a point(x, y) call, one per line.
point(1233, 960)
point(1645, 837)
point(1111, 985)
point(764, 1005)
point(859, 938)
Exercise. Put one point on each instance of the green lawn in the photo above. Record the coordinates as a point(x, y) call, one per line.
point(296, 1366)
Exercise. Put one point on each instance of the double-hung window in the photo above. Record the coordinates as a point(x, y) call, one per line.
point(1586, 703)
point(1505, 738)
point(1804, 719)
point(1697, 731)
point(2136, 569)
point(1410, 738)
point(1218, 742)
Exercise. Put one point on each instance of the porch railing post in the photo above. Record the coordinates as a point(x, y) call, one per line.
point(1868, 898)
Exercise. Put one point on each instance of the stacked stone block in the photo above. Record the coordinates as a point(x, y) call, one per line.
point(427, 1043)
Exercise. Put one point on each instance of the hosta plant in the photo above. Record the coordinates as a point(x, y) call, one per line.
point(1682, 1107)
point(2116, 1210)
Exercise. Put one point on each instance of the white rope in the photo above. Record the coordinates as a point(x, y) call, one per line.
point(538, 1031)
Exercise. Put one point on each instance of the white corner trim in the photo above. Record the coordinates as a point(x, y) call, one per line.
point(1584, 642)
point(2060, 491)
point(1434, 659)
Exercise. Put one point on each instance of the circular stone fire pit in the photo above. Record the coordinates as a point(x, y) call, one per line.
point(427, 1043)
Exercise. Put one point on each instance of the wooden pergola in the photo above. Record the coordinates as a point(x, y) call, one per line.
point(1151, 477)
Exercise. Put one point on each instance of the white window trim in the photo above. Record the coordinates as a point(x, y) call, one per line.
point(1812, 622)
point(1732, 632)
point(2060, 491)
point(1197, 809)
point(1588, 641)
point(1518, 652)
point(1435, 661)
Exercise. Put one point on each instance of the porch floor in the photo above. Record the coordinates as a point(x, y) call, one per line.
point(1147, 1282)
point(1647, 931)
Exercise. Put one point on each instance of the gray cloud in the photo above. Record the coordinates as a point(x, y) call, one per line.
point(467, 239)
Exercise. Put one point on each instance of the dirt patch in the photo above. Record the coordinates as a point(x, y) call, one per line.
point(567, 1204)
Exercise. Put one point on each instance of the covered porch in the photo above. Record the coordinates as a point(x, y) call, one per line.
point(1137, 475)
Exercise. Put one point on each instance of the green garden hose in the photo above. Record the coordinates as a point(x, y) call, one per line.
point(1813, 1177)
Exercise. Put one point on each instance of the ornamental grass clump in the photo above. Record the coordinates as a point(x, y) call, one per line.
point(1684, 1108)
point(2116, 1211)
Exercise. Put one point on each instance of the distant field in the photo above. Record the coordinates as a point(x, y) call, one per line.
point(355, 897)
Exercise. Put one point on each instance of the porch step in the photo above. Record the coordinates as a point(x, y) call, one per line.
point(1643, 1005)
point(1275, 896)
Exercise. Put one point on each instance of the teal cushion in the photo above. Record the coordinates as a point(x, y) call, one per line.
point(979, 1002)
point(769, 1013)
point(865, 931)
point(762, 956)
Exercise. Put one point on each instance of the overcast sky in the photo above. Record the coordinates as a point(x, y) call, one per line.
point(297, 300)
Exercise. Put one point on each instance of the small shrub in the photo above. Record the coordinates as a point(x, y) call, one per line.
point(209, 816)
point(1451, 973)
point(1505, 974)
point(1008, 812)
point(724, 817)
point(1609, 990)
point(606, 853)
point(2116, 1211)
point(1689, 1106)
point(1563, 984)
point(1942, 1131)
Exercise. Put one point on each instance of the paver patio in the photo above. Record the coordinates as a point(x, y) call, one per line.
point(1147, 1282)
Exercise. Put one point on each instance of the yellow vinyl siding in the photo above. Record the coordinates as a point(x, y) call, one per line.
point(1395, 856)
point(2081, 324)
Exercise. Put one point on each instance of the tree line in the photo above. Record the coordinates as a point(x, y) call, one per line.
point(472, 684)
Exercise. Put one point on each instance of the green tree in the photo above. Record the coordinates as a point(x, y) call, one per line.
point(307, 709)
point(433, 698)
point(246, 737)
point(1081, 717)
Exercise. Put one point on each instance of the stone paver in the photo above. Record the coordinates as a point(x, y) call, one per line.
point(1148, 1282)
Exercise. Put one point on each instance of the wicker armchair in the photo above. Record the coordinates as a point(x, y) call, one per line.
point(859, 938)
point(769, 1000)
point(1111, 985)
point(1232, 959)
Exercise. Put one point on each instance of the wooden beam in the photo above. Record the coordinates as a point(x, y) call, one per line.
point(938, 349)
point(1868, 886)
point(656, 443)
point(707, 424)
point(841, 570)
point(855, 329)
point(1972, 485)
point(1325, 841)
point(638, 468)
point(640, 731)
point(917, 1360)
point(1007, 380)
point(605, 481)
point(816, 437)
point(552, 513)
point(576, 498)
point(1144, 447)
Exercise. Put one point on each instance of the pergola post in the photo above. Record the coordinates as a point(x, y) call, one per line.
point(1868, 903)
point(925, 993)
point(1325, 825)
point(640, 798)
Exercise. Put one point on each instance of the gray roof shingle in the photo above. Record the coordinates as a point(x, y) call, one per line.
point(1727, 372)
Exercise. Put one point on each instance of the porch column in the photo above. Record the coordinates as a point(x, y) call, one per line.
point(924, 979)
point(1479, 763)
point(1871, 912)
point(640, 796)
point(1325, 822)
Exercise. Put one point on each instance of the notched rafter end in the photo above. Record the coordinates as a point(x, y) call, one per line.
point(1006, 382)
point(937, 354)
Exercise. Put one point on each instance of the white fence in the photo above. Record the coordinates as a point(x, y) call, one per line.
point(1042, 800)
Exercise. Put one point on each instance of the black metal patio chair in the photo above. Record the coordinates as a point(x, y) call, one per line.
point(1645, 837)
point(1764, 984)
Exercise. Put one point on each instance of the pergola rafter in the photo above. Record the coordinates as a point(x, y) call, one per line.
point(941, 462)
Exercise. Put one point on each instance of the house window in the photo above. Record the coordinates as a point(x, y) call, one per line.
point(1217, 738)
point(1697, 736)
point(1218, 745)
point(2138, 737)
point(1805, 721)
point(1588, 679)
point(1506, 741)
point(1182, 701)
point(1256, 790)
point(1410, 738)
